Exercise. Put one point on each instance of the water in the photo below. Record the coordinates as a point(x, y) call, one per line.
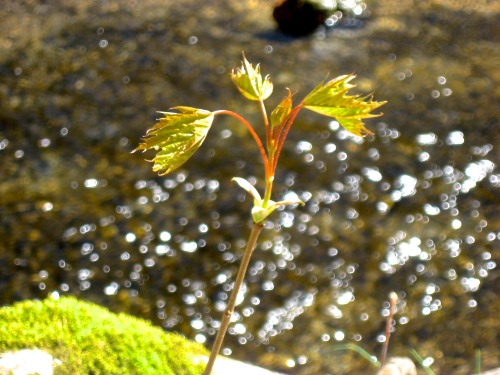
point(413, 208)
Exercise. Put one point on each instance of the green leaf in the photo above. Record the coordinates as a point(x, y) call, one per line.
point(250, 82)
point(331, 99)
point(176, 137)
point(282, 110)
point(259, 213)
point(244, 184)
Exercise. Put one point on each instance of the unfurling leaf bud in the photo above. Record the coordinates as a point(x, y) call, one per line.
point(250, 82)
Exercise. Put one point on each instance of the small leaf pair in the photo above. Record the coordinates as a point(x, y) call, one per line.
point(259, 212)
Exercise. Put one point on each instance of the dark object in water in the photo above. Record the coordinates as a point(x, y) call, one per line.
point(299, 17)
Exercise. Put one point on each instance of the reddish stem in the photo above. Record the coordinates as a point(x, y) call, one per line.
point(393, 300)
point(266, 122)
point(254, 135)
point(282, 133)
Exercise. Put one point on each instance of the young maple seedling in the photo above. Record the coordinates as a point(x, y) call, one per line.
point(177, 135)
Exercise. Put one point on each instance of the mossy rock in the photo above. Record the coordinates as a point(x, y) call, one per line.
point(89, 339)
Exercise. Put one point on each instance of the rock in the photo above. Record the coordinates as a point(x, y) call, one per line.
point(26, 362)
point(227, 366)
point(398, 366)
point(299, 17)
point(495, 371)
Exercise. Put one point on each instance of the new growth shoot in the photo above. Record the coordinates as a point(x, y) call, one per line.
point(178, 134)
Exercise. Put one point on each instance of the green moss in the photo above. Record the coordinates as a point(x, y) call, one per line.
point(89, 339)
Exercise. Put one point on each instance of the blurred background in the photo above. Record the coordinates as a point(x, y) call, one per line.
point(414, 208)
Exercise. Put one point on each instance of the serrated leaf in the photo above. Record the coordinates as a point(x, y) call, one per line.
point(282, 110)
point(176, 137)
point(331, 99)
point(250, 83)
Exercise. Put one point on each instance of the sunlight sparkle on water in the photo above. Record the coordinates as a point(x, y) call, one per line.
point(429, 209)
point(343, 134)
point(382, 207)
point(339, 335)
point(241, 294)
point(91, 183)
point(410, 248)
point(381, 338)
point(303, 146)
point(163, 249)
point(345, 297)
point(47, 206)
point(372, 174)
point(200, 338)
point(455, 138)
point(189, 247)
point(456, 224)
point(427, 139)
point(111, 289)
point(476, 172)
point(130, 237)
point(291, 196)
point(470, 284)
point(197, 324)
point(428, 361)
point(330, 147)
point(165, 236)
point(45, 142)
point(407, 185)
point(333, 125)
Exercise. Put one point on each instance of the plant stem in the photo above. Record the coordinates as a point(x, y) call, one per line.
point(256, 138)
point(226, 318)
point(266, 123)
point(478, 362)
point(283, 132)
point(271, 149)
point(393, 300)
point(269, 188)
